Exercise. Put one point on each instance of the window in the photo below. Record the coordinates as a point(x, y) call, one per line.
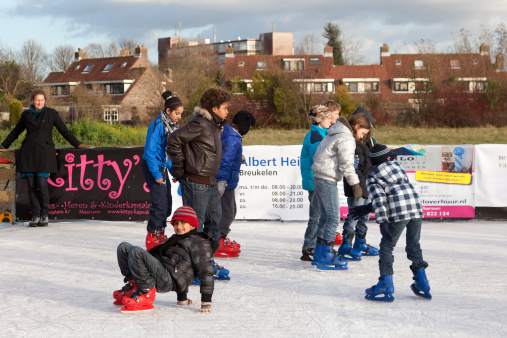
point(241, 64)
point(476, 62)
point(116, 88)
point(261, 65)
point(87, 68)
point(77, 67)
point(123, 64)
point(418, 64)
point(362, 85)
point(111, 115)
point(454, 64)
point(353, 87)
point(294, 64)
point(398, 62)
point(108, 67)
point(314, 62)
point(409, 85)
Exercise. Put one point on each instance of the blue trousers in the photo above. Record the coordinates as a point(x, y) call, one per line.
point(327, 192)
point(357, 227)
point(310, 239)
point(161, 198)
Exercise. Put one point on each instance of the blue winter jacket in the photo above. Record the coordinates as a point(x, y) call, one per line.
point(154, 149)
point(310, 144)
point(232, 152)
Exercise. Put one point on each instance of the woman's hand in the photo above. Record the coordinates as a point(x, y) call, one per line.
point(82, 146)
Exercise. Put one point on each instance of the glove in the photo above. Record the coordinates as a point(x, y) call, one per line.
point(177, 170)
point(243, 159)
point(384, 230)
point(186, 302)
point(221, 187)
point(358, 192)
point(205, 307)
point(359, 211)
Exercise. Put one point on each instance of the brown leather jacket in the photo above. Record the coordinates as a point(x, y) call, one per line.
point(198, 144)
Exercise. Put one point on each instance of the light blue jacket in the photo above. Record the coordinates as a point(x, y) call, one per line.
point(154, 149)
point(310, 144)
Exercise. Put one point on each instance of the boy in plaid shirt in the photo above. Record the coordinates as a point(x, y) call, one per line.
point(397, 206)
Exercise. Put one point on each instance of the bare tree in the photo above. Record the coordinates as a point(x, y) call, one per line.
point(424, 46)
point(33, 59)
point(352, 50)
point(129, 44)
point(501, 39)
point(309, 45)
point(61, 58)
point(12, 82)
point(101, 50)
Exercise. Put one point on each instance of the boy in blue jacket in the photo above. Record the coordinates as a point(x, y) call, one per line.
point(228, 177)
point(322, 117)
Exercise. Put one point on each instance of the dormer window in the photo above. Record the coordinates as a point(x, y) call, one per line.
point(77, 67)
point(87, 68)
point(108, 67)
point(123, 64)
point(476, 62)
point(241, 64)
point(261, 65)
point(398, 63)
point(454, 64)
point(418, 64)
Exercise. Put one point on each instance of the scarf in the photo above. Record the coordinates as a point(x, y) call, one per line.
point(169, 125)
point(36, 113)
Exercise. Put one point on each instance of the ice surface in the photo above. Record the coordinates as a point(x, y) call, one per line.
point(58, 282)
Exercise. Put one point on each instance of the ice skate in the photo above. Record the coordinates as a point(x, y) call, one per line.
point(329, 259)
point(220, 273)
point(126, 290)
point(227, 241)
point(384, 287)
point(347, 251)
point(338, 239)
point(155, 238)
point(421, 286)
point(307, 255)
point(226, 250)
point(34, 222)
point(139, 300)
point(44, 221)
point(365, 249)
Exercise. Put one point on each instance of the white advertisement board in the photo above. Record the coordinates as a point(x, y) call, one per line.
point(491, 175)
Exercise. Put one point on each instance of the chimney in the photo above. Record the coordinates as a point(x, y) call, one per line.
point(142, 54)
point(229, 52)
point(124, 52)
point(384, 52)
point(484, 49)
point(499, 63)
point(328, 51)
point(79, 55)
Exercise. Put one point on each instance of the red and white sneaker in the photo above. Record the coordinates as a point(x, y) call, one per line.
point(155, 238)
point(338, 239)
point(139, 300)
point(126, 290)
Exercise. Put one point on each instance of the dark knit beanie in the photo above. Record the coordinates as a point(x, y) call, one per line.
point(365, 112)
point(380, 153)
point(243, 120)
point(186, 214)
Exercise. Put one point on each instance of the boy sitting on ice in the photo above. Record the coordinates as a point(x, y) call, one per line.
point(171, 266)
point(397, 206)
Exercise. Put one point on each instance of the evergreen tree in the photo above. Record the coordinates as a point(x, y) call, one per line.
point(332, 34)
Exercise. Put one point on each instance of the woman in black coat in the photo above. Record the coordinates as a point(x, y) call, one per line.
point(37, 155)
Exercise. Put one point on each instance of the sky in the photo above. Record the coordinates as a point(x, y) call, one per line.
point(371, 23)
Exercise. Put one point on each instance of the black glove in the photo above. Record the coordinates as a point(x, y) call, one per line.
point(357, 191)
point(384, 230)
point(359, 211)
point(177, 170)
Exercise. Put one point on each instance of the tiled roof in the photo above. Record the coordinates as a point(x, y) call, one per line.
point(122, 68)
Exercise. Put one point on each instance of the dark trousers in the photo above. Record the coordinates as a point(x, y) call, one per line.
point(228, 211)
point(135, 263)
point(38, 193)
point(161, 199)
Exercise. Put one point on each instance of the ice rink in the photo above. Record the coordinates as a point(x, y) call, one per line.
point(58, 282)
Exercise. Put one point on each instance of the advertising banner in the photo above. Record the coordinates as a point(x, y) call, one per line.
point(491, 181)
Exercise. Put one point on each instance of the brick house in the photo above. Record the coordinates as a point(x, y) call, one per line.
point(396, 82)
point(127, 87)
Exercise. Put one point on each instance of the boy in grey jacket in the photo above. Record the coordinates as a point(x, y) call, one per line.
point(171, 266)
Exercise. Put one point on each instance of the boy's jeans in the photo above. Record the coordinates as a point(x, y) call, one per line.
point(359, 224)
point(146, 270)
point(327, 192)
point(413, 249)
point(205, 200)
point(310, 240)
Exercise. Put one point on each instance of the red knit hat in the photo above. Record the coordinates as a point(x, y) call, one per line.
point(186, 214)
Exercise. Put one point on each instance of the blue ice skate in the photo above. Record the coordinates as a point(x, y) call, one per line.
point(347, 251)
point(316, 253)
point(421, 286)
point(384, 286)
point(220, 273)
point(365, 249)
point(329, 259)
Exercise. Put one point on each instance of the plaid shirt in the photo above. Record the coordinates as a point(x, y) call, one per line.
point(393, 197)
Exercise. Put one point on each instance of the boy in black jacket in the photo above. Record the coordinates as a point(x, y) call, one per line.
point(171, 266)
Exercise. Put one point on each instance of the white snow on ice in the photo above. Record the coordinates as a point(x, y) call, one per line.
point(58, 282)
